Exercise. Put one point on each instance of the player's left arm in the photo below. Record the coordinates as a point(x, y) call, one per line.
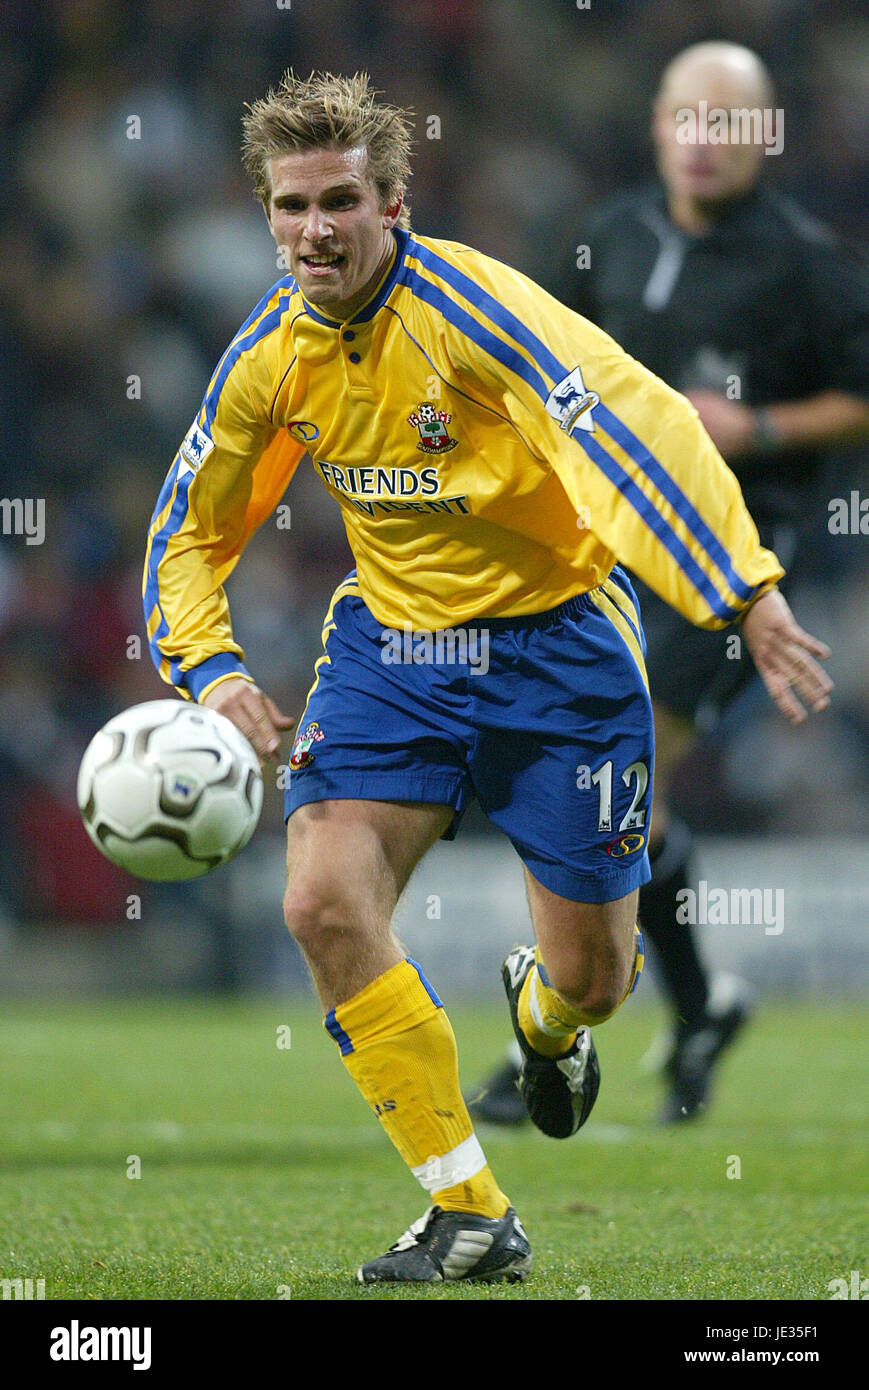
point(786, 657)
point(643, 474)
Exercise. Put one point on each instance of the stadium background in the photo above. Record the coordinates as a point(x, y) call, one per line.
point(125, 266)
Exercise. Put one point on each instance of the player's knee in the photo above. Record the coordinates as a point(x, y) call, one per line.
point(595, 994)
point(314, 915)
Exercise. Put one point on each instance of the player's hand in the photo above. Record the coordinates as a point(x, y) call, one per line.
point(729, 424)
point(258, 717)
point(785, 657)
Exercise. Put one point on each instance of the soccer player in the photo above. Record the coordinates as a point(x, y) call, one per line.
point(731, 294)
point(493, 454)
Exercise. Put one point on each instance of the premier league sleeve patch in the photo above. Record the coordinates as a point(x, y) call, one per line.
point(196, 446)
point(570, 403)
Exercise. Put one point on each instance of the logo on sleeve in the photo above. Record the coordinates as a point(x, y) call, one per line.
point(571, 404)
point(196, 446)
point(305, 431)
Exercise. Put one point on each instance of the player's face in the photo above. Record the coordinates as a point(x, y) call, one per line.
point(325, 212)
point(707, 172)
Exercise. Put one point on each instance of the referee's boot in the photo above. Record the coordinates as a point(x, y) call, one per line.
point(558, 1092)
point(497, 1101)
point(697, 1048)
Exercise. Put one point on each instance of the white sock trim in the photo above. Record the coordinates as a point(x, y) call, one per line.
point(445, 1170)
point(552, 1030)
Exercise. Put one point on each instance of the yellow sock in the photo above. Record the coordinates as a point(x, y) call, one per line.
point(548, 1021)
point(398, 1045)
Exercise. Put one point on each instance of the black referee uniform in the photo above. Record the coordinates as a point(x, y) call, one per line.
point(766, 307)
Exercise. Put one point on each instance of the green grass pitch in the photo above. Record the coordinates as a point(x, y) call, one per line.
point(263, 1175)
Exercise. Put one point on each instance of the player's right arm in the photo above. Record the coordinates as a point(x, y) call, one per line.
point(227, 477)
point(254, 713)
point(637, 465)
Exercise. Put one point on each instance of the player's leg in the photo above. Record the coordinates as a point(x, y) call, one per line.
point(587, 961)
point(588, 952)
point(709, 1009)
point(376, 775)
point(684, 978)
point(348, 863)
point(566, 771)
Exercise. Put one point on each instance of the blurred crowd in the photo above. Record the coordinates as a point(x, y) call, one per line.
point(131, 248)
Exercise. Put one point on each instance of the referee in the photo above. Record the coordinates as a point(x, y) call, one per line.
point(734, 296)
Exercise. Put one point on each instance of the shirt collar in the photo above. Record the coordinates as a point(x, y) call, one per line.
point(378, 296)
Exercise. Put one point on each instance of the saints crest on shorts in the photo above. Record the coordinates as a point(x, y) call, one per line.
point(301, 755)
point(433, 433)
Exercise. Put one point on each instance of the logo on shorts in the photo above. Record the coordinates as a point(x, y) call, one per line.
point(301, 755)
point(433, 432)
point(625, 844)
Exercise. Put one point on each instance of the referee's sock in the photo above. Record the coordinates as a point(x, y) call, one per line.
point(685, 978)
point(397, 1044)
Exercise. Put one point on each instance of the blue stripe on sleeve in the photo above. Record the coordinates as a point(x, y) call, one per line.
point(158, 547)
point(198, 677)
point(242, 343)
point(657, 474)
point(614, 426)
point(247, 337)
point(656, 523)
point(473, 329)
point(498, 313)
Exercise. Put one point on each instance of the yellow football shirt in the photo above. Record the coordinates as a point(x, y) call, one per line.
point(492, 453)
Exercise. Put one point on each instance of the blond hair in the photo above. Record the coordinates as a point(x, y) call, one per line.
point(327, 110)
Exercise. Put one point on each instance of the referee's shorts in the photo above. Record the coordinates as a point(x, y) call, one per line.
point(546, 719)
point(696, 672)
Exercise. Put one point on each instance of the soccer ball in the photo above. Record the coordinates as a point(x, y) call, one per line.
point(168, 790)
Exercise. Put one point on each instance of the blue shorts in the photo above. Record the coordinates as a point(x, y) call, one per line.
point(546, 719)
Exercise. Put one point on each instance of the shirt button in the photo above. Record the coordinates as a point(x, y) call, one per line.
point(349, 335)
point(354, 357)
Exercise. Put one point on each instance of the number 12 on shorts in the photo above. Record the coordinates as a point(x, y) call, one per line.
point(635, 817)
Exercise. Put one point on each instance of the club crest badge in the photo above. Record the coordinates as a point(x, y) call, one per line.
point(301, 755)
point(432, 424)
